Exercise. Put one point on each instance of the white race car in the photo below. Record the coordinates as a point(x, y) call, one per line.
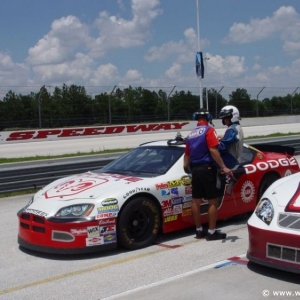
point(274, 227)
point(137, 196)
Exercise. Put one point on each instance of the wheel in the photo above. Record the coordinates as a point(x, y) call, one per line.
point(138, 224)
point(266, 181)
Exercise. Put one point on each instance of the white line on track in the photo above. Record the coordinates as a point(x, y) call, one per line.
point(170, 279)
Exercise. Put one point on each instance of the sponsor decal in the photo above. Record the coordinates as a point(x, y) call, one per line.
point(170, 218)
point(136, 190)
point(109, 201)
point(187, 204)
point(170, 192)
point(187, 198)
point(160, 186)
point(110, 238)
point(186, 212)
point(35, 212)
point(94, 241)
point(165, 192)
point(109, 221)
point(106, 215)
point(93, 131)
point(107, 229)
point(177, 209)
point(259, 155)
point(166, 203)
point(188, 190)
point(177, 200)
point(75, 186)
point(93, 231)
point(196, 132)
point(247, 191)
point(167, 211)
point(174, 183)
point(186, 180)
point(82, 231)
point(109, 208)
point(270, 164)
point(130, 179)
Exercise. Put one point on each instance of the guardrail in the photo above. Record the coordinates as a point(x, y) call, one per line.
point(34, 175)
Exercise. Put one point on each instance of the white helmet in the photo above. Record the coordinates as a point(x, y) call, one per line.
point(230, 110)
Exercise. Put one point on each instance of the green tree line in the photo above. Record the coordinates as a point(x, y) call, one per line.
point(73, 106)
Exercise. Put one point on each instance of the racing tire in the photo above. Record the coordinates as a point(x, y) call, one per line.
point(266, 181)
point(138, 224)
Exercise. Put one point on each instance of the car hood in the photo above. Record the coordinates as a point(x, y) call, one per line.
point(284, 189)
point(88, 185)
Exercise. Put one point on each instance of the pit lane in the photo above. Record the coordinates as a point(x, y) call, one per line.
point(177, 266)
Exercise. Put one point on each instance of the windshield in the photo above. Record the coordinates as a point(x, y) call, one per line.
point(145, 161)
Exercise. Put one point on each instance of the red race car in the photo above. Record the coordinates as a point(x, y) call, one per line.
point(140, 194)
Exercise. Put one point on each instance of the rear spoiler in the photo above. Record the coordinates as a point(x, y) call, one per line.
point(275, 148)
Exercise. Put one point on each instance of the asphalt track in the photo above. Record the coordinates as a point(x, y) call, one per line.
point(178, 266)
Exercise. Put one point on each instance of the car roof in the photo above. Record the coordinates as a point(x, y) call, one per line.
point(177, 141)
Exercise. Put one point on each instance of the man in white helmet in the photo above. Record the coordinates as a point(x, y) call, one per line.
point(232, 141)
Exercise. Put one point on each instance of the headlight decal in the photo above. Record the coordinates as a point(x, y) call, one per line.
point(76, 210)
point(265, 211)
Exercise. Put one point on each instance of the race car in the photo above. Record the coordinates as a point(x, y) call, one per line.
point(274, 227)
point(141, 194)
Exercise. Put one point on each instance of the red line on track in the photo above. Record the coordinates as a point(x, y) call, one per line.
point(237, 259)
point(169, 246)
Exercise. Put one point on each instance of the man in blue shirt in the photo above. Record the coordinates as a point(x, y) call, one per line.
point(231, 144)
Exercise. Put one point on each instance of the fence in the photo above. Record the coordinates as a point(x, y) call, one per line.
point(103, 105)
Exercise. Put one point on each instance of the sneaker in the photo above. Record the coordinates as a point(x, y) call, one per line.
point(201, 234)
point(217, 235)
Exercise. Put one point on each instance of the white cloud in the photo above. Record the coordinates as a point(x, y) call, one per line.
point(256, 67)
point(181, 51)
point(117, 32)
point(173, 72)
point(12, 74)
point(284, 21)
point(60, 44)
point(104, 75)
point(133, 75)
point(77, 70)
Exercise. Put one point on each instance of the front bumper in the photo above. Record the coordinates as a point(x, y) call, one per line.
point(39, 234)
point(274, 249)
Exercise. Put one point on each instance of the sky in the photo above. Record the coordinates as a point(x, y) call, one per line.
point(100, 44)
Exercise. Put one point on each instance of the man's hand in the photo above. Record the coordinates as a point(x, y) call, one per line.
point(227, 171)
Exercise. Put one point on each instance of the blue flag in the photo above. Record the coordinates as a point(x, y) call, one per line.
point(199, 65)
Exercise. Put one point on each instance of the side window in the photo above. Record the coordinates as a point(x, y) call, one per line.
point(247, 156)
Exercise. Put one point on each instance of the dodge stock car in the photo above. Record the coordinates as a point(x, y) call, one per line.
point(274, 227)
point(141, 194)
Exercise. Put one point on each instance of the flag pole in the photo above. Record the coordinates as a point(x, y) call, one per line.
point(199, 49)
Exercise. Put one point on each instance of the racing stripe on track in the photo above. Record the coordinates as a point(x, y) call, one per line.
point(232, 261)
point(168, 246)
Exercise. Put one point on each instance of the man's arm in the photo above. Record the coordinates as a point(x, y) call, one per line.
point(230, 136)
point(218, 159)
point(186, 164)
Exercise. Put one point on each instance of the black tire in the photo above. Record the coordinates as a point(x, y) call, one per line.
point(138, 224)
point(266, 181)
